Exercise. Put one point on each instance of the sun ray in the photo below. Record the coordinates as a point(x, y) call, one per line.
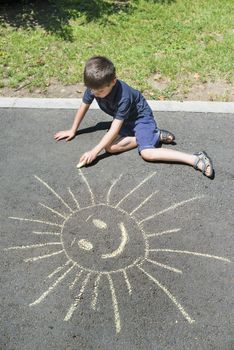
point(75, 279)
point(191, 253)
point(88, 217)
point(34, 220)
point(58, 269)
point(135, 188)
point(55, 193)
point(47, 233)
point(111, 188)
point(52, 287)
point(142, 203)
point(95, 292)
point(170, 296)
point(127, 282)
point(33, 246)
point(173, 207)
point(163, 232)
point(77, 299)
point(164, 266)
point(88, 186)
point(74, 198)
point(53, 211)
point(115, 305)
point(73, 241)
point(43, 256)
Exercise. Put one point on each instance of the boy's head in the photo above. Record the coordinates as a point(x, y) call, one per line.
point(99, 75)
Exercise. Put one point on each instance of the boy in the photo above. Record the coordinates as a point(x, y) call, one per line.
point(133, 122)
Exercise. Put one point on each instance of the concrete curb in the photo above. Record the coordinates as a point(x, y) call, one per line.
point(162, 106)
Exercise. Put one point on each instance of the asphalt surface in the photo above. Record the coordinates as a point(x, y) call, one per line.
point(123, 254)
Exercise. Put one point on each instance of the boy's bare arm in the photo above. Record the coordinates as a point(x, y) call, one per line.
point(107, 139)
point(69, 134)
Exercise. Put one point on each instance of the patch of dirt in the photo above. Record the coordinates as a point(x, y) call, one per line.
point(193, 89)
point(159, 82)
point(55, 89)
point(218, 90)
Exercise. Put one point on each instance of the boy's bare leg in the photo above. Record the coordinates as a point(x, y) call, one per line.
point(168, 155)
point(122, 144)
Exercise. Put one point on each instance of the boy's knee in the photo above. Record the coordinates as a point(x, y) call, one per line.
point(146, 154)
point(110, 148)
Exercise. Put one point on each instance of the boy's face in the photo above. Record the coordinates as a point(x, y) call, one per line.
point(104, 91)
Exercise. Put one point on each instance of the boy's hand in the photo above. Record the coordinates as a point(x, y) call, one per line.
point(88, 157)
point(66, 134)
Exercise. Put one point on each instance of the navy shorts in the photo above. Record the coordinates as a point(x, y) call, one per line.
point(144, 129)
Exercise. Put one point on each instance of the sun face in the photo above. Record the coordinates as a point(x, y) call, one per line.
point(101, 240)
point(119, 241)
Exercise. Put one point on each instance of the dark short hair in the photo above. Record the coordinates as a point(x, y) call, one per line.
point(99, 71)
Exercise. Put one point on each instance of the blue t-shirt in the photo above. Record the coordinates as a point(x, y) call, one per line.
point(123, 102)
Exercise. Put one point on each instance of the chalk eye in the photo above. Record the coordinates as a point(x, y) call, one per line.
point(99, 224)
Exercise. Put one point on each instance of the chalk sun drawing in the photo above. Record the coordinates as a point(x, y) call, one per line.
point(88, 258)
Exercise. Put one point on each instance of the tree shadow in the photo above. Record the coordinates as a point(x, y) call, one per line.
point(54, 15)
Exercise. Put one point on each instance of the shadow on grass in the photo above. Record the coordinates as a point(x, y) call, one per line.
point(55, 15)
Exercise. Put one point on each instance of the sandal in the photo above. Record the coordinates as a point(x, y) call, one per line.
point(206, 162)
point(166, 137)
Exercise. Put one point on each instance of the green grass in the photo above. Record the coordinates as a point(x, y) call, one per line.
point(174, 38)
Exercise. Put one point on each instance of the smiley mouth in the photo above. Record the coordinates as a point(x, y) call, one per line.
point(120, 249)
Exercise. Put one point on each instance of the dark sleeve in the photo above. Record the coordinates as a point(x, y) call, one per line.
point(88, 97)
point(123, 109)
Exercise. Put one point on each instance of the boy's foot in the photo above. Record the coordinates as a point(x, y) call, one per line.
point(204, 163)
point(166, 137)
